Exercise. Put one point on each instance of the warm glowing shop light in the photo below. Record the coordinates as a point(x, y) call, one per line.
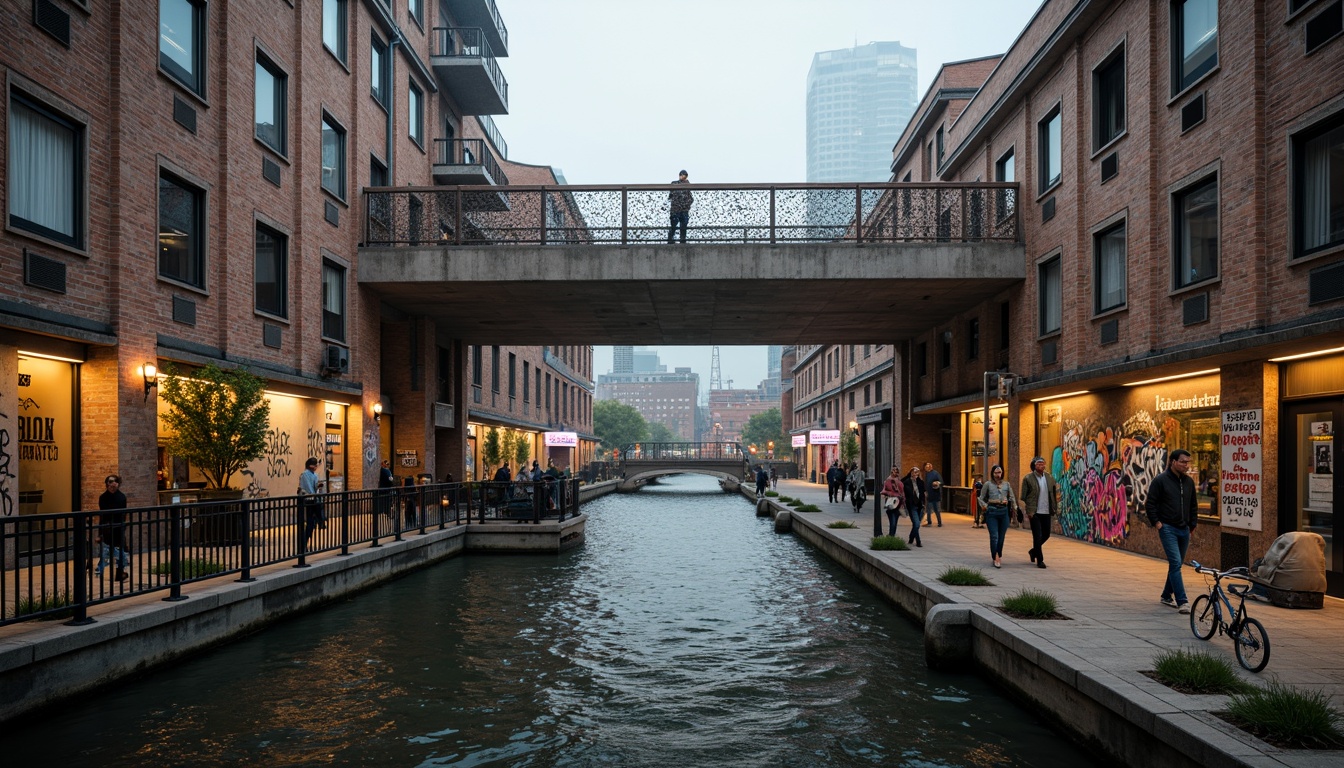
point(1317, 353)
point(58, 358)
point(1056, 397)
point(1172, 378)
point(992, 407)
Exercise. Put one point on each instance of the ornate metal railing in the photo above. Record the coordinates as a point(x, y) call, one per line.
point(469, 42)
point(57, 565)
point(469, 152)
point(688, 452)
point(720, 213)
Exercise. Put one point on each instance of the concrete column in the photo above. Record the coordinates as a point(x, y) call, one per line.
point(947, 636)
point(118, 427)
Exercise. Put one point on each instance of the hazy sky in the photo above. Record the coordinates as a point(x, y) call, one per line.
point(631, 91)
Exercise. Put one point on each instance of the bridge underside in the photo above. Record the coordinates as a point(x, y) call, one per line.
point(633, 481)
point(690, 294)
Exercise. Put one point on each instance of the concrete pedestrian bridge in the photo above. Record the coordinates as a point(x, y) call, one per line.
point(791, 264)
point(642, 462)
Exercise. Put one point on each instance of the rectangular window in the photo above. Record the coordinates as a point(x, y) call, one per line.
point(1109, 268)
point(378, 70)
point(1050, 294)
point(333, 27)
point(494, 369)
point(333, 301)
point(922, 358)
point(1005, 170)
point(1194, 41)
point(973, 339)
point(941, 150)
point(527, 379)
point(1052, 157)
point(877, 391)
point(46, 172)
point(851, 401)
point(182, 42)
point(271, 100)
point(1196, 211)
point(415, 113)
point(271, 272)
point(445, 375)
point(1108, 100)
point(181, 231)
point(1318, 188)
point(333, 157)
point(945, 350)
point(476, 365)
point(416, 8)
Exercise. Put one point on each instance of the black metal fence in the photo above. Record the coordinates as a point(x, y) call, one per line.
point(709, 451)
point(720, 213)
point(61, 564)
point(468, 152)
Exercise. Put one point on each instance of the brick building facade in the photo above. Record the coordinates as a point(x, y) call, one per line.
point(184, 185)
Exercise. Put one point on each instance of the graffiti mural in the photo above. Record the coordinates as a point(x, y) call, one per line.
point(278, 454)
point(317, 443)
point(370, 450)
point(6, 475)
point(1104, 472)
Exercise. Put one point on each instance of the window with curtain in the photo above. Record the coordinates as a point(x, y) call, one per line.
point(1318, 188)
point(1109, 268)
point(1197, 233)
point(270, 100)
point(270, 273)
point(333, 157)
point(181, 231)
point(1050, 293)
point(1108, 100)
point(333, 301)
point(333, 27)
point(1194, 41)
point(46, 172)
point(182, 42)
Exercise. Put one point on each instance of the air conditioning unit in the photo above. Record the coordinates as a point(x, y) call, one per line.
point(335, 359)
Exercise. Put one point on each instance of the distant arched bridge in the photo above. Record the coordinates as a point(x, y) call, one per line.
point(642, 462)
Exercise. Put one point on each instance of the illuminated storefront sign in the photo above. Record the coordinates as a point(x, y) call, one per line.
point(824, 437)
point(800, 441)
point(562, 439)
point(1241, 480)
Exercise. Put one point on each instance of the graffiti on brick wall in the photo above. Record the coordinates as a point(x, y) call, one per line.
point(6, 500)
point(1104, 472)
point(254, 489)
point(278, 453)
point(370, 450)
point(317, 443)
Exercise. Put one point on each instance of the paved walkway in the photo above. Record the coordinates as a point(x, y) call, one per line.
point(1112, 597)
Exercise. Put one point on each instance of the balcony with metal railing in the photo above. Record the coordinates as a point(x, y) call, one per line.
point(483, 14)
point(466, 68)
point(466, 161)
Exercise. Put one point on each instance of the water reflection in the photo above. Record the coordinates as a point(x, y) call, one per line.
point(686, 632)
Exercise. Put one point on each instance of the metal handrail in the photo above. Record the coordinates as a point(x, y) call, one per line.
point(469, 152)
point(469, 42)
point(49, 559)
point(721, 213)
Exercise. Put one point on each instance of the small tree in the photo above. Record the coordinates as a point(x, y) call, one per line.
point(849, 447)
point(218, 419)
point(491, 450)
point(522, 450)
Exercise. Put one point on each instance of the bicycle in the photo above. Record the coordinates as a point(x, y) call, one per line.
point(1207, 616)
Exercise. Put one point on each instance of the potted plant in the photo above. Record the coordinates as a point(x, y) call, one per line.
point(218, 420)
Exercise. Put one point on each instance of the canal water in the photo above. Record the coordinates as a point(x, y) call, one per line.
point(684, 633)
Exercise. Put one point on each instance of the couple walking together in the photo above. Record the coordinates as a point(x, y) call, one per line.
point(1039, 498)
point(905, 495)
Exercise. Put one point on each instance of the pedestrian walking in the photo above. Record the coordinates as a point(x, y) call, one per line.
point(834, 477)
point(680, 201)
point(915, 493)
point(976, 515)
point(893, 499)
point(996, 499)
point(1172, 506)
point(858, 491)
point(313, 512)
point(408, 505)
point(387, 484)
point(1040, 500)
point(933, 504)
point(774, 479)
point(762, 480)
point(112, 528)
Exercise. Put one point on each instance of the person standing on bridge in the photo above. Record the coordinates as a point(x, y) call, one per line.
point(680, 200)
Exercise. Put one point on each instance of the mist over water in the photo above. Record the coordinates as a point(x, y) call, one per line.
point(684, 633)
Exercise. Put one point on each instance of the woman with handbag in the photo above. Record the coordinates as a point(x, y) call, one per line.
point(914, 502)
point(996, 499)
point(893, 499)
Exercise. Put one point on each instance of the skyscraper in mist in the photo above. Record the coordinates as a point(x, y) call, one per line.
point(858, 101)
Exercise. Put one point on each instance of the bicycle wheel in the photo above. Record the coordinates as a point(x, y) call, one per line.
point(1252, 645)
point(1203, 617)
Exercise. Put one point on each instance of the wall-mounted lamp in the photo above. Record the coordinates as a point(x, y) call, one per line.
point(947, 337)
point(378, 413)
point(151, 374)
point(854, 427)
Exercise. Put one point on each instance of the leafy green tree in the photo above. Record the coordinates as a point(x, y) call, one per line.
point(218, 419)
point(491, 450)
point(765, 427)
point(659, 433)
point(522, 450)
point(849, 447)
point(617, 424)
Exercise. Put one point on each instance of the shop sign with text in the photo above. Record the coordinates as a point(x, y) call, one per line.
point(824, 437)
point(1241, 481)
point(562, 439)
point(800, 441)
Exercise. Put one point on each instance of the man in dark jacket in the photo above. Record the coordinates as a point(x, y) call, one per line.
point(834, 477)
point(387, 484)
point(680, 200)
point(112, 527)
point(1172, 507)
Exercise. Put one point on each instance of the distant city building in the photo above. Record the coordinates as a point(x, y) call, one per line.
point(731, 409)
point(660, 397)
point(646, 361)
point(859, 100)
point(623, 360)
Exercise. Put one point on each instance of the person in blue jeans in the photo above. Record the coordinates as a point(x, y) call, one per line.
point(893, 499)
point(933, 505)
point(915, 493)
point(996, 499)
point(1172, 506)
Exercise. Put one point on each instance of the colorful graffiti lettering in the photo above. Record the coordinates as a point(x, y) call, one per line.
point(1104, 473)
point(277, 453)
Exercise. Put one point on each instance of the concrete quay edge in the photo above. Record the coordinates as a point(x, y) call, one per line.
point(1134, 722)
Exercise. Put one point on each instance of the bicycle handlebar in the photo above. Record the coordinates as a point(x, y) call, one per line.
point(1241, 571)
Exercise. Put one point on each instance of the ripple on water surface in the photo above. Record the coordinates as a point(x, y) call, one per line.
point(685, 632)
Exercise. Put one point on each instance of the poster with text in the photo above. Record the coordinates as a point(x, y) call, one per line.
point(1241, 481)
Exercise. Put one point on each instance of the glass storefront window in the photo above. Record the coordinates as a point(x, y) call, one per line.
point(1200, 433)
point(1315, 484)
